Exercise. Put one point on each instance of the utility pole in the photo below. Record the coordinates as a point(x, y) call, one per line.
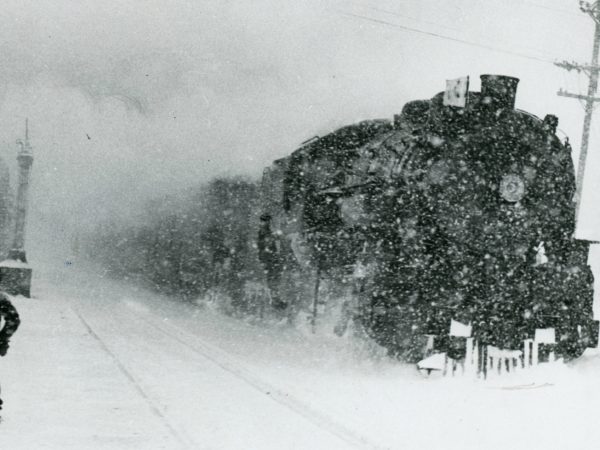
point(592, 70)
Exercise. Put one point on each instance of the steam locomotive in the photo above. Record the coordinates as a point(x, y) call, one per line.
point(460, 209)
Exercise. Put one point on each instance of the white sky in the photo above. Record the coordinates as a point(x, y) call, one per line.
point(172, 92)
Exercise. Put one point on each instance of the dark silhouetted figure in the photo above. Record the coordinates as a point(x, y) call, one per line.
point(11, 322)
point(269, 256)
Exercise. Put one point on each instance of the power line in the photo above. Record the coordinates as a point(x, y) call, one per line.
point(564, 12)
point(541, 53)
point(559, 10)
point(449, 38)
point(393, 13)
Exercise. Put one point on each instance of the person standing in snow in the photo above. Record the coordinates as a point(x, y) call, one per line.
point(10, 317)
point(11, 321)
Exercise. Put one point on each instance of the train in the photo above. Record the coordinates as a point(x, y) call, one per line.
point(459, 210)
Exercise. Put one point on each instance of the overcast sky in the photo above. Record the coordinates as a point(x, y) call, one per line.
point(132, 99)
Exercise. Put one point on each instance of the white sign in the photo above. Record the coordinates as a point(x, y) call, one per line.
point(545, 336)
point(459, 329)
point(456, 92)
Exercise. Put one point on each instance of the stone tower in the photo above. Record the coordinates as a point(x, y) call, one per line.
point(15, 273)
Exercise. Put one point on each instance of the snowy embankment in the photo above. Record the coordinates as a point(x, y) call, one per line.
point(100, 364)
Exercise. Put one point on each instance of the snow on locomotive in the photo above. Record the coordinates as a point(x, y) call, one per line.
point(461, 209)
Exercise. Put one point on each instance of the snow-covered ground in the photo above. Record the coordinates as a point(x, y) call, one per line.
point(105, 364)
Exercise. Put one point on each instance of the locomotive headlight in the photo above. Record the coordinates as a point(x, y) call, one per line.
point(512, 188)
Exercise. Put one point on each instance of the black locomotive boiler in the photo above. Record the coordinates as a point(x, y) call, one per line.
point(447, 212)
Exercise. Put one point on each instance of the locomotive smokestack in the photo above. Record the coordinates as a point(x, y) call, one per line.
point(499, 91)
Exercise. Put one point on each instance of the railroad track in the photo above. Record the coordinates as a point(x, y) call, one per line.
point(229, 364)
point(183, 441)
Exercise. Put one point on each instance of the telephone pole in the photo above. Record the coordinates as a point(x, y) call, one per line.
point(592, 70)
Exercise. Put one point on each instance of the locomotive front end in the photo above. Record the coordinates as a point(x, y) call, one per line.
point(482, 230)
point(460, 212)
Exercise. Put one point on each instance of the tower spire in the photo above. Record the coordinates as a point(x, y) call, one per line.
point(15, 273)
